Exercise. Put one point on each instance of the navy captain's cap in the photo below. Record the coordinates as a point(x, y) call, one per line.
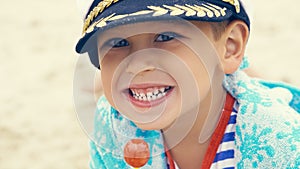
point(104, 14)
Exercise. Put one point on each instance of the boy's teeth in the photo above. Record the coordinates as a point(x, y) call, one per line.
point(150, 93)
point(159, 95)
point(162, 89)
point(144, 98)
point(154, 97)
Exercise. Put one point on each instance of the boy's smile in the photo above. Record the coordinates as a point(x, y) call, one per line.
point(147, 95)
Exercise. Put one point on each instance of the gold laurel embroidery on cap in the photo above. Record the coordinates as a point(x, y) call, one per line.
point(116, 17)
point(158, 11)
point(102, 22)
point(204, 10)
point(91, 28)
point(189, 11)
point(144, 12)
point(94, 13)
point(216, 12)
point(235, 3)
point(222, 10)
point(209, 13)
point(200, 12)
point(174, 11)
point(99, 22)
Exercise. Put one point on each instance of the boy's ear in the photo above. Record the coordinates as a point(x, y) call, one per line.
point(236, 37)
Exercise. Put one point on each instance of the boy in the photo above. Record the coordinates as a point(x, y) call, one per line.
point(175, 95)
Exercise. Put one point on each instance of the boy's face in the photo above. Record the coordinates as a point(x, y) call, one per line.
point(152, 72)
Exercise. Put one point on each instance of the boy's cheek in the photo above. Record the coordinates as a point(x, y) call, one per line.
point(107, 86)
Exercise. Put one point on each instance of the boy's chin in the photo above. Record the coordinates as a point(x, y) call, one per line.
point(152, 126)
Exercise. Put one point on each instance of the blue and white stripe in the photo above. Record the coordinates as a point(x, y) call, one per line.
point(225, 155)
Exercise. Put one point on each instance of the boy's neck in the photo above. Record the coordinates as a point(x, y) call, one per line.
point(188, 152)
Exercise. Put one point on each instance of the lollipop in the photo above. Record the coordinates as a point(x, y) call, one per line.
point(136, 153)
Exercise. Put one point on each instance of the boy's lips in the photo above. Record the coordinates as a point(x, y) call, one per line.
point(148, 95)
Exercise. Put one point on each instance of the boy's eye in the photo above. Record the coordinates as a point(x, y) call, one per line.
point(117, 43)
point(166, 36)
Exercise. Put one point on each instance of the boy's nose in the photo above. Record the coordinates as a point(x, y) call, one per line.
point(141, 52)
point(142, 60)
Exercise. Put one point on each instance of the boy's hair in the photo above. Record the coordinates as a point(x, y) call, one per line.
point(218, 28)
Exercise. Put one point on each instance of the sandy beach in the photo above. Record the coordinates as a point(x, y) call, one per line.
point(39, 128)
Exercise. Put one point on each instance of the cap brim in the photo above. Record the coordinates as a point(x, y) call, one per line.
point(107, 19)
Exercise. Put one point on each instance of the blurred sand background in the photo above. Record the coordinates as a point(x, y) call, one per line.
point(38, 122)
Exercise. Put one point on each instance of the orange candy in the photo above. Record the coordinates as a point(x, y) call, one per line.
point(136, 153)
